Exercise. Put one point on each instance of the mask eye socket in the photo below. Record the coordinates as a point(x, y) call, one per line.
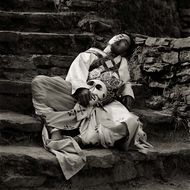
point(98, 87)
point(90, 83)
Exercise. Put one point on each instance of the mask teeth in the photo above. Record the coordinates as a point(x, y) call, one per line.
point(93, 96)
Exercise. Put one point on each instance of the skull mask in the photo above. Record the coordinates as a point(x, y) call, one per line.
point(98, 91)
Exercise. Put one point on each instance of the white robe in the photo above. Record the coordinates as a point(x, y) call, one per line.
point(52, 98)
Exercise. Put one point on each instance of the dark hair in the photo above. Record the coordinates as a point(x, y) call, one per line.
point(131, 47)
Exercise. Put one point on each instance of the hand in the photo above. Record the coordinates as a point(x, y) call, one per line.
point(55, 136)
point(128, 102)
point(83, 96)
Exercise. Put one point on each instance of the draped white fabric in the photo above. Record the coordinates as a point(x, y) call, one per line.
point(52, 99)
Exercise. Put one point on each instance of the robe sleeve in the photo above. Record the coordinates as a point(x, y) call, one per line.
point(125, 76)
point(79, 70)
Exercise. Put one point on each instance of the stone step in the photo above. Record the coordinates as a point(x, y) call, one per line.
point(184, 4)
point(33, 167)
point(184, 12)
point(185, 32)
point(16, 128)
point(83, 5)
point(26, 67)
point(40, 21)
point(175, 183)
point(159, 126)
point(162, 125)
point(24, 43)
point(27, 5)
point(18, 94)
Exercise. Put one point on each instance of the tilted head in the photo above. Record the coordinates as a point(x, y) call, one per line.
point(119, 44)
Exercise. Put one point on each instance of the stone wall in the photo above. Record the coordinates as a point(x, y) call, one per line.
point(163, 66)
point(151, 17)
point(184, 14)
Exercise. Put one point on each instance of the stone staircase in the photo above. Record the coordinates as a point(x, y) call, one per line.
point(35, 39)
point(184, 13)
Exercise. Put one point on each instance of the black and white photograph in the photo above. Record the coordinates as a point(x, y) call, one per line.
point(94, 94)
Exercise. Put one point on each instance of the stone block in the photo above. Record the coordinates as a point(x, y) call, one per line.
point(171, 57)
point(100, 187)
point(184, 79)
point(100, 158)
point(39, 22)
point(152, 52)
point(19, 122)
point(183, 72)
point(150, 41)
point(185, 32)
point(15, 87)
point(149, 60)
point(186, 64)
point(32, 62)
point(155, 84)
point(188, 100)
point(28, 161)
point(124, 171)
point(184, 12)
point(92, 177)
point(157, 41)
point(183, 76)
point(16, 62)
point(155, 68)
point(16, 102)
point(24, 181)
point(154, 117)
point(139, 41)
point(55, 71)
point(25, 5)
point(22, 75)
point(84, 4)
point(184, 56)
point(184, 4)
point(94, 25)
point(43, 43)
point(181, 43)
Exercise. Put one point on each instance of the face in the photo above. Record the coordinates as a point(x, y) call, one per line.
point(98, 91)
point(120, 47)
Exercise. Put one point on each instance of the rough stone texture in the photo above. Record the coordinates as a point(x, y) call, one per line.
point(157, 67)
point(181, 43)
point(19, 122)
point(18, 94)
point(40, 22)
point(162, 65)
point(151, 13)
point(138, 15)
point(184, 56)
point(14, 102)
point(32, 162)
point(18, 129)
point(171, 57)
point(24, 181)
point(43, 43)
point(98, 25)
point(155, 117)
point(25, 5)
point(25, 68)
point(155, 14)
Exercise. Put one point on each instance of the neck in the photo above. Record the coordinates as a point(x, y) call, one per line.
point(111, 54)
